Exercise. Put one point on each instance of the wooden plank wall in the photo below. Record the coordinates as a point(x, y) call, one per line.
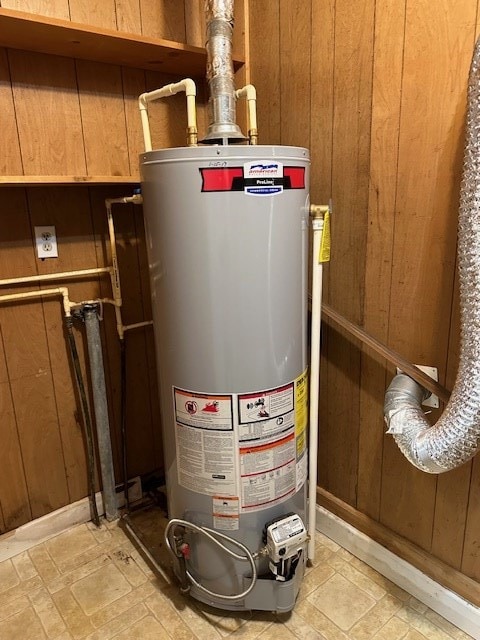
point(377, 90)
point(66, 117)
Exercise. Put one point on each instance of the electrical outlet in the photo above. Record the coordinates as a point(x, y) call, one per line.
point(46, 242)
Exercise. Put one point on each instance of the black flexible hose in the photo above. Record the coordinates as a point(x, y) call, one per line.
point(87, 421)
point(123, 419)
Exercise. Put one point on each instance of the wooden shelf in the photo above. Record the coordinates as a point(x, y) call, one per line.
point(31, 32)
point(37, 181)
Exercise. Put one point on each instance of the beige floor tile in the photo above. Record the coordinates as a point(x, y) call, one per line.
point(13, 607)
point(299, 627)
point(47, 613)
point(24, 566)
point(315, 577)
point(101, 534)
point(100, 589)
point(319, 621)
point(71, 543)
point(22, 626)
point(380, 580)
point(8, 576)
point(190, 614)
point(77, 574)
point(417, 605)
point(414, 635)
point(124, 561)
point(43, 563)
point(446, 626)
point(121, 605)
point(361, 580)
point(422, 624)
point(276, 631)
point(395, 629)
point(25, 587)
point(119, 624)
point(163, 610)
point(320, 538)
point(341, 601)
point(77, 622)
point(375, 619)
point(255, 627)
point(146, 629)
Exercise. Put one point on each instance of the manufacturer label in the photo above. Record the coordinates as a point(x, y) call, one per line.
point(259, 178)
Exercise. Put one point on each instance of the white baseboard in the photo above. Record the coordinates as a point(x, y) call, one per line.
point(448, 604)
point(52, 524)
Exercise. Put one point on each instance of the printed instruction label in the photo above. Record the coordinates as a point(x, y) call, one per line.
point(205, 443)
point(263, 177)
point(248, 450)
point(226, 513)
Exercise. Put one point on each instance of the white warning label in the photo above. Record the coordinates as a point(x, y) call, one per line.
point(266, 415)
point(226, 516)
point(205, 443)
point(268, 473)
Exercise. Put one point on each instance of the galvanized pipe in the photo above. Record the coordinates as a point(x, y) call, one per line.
point(455, 438)
point(97, 373)
point(221, 104)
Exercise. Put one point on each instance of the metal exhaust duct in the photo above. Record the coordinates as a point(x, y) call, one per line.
point(455, 438)
point(221, 104)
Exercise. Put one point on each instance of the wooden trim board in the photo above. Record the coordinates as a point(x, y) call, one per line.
point(436, 569)
point(460, 612)
point(52, 524)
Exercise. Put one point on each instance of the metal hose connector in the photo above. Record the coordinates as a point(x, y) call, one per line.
point(222, 101)
point(455, 438)
point(213, 536)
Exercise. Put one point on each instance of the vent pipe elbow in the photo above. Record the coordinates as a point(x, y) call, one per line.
point(455, 438)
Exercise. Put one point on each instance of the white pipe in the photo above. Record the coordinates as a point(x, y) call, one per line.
point(188, 86)
point(137, 325)
point(317, 270)
point(40, 293)
point(250, 93)
point(54, 276)
point(115, 271)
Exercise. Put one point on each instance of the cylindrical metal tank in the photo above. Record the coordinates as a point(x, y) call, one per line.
point(227, 236)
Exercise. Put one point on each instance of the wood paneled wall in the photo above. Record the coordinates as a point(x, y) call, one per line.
point(377, 90)
point(75, 118)
point(42, 459)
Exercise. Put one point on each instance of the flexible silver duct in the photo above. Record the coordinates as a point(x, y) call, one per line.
point(221, 104)
point(455, 438)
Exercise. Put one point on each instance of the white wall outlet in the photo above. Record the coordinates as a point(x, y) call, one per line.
point(46, 242)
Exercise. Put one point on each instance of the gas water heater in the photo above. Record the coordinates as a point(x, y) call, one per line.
point(227, 235)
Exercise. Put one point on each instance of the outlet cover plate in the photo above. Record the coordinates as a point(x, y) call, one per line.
point(46, 242)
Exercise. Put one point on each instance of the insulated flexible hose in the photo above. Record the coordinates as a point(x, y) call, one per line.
point(212, 535)
point(455, 438)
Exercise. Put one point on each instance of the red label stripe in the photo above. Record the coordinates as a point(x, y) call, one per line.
point(220, 179)
point(296, 175)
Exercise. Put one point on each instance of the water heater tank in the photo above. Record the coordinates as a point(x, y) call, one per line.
point(227, 233)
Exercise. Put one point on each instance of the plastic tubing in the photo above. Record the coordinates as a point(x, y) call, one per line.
point(188, 86)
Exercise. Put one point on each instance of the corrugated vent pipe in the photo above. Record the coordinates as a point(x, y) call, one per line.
point(222, 101)
point(455, 438)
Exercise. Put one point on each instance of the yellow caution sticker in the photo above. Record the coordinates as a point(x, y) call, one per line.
point(301, 395)
point(324, 253)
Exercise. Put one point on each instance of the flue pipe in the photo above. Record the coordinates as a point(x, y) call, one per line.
point(455, 438)
point(222, 109)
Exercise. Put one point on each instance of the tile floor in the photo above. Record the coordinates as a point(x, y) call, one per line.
point(92, 583)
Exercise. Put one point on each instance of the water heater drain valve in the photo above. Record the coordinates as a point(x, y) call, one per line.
point(285, 538)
